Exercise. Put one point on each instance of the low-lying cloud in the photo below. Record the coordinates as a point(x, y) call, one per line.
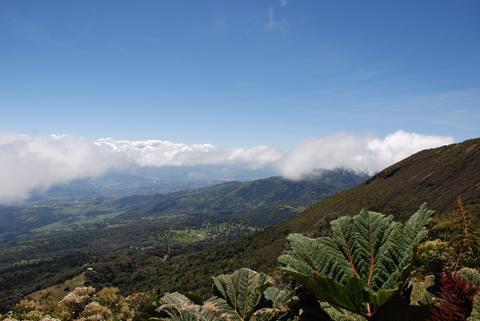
point(166, 153)
point(358, 153)
point(36, 162)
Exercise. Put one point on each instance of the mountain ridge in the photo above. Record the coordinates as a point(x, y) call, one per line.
point(230, 198)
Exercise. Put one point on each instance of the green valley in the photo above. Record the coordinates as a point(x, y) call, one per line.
point(54, 240)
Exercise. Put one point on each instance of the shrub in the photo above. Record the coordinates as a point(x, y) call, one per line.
point(434, 256)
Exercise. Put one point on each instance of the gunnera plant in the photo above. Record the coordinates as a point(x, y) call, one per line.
point(362, 265)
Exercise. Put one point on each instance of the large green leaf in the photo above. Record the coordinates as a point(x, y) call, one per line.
point(240, 295)
point(180, 308)
point(242, 290)
point(419, 294)
point(363, 262)
point(282, 301)
point(220, 308)
point(340, 314)
point(273, 314)
point(280, 297)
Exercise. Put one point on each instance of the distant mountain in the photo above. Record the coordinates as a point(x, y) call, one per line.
point(257, 203)
point(436, 176)
point(149, 180)
point(260, 202)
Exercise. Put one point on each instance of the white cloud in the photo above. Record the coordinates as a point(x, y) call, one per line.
point(30, 162)
point(359, 153)
point(166, 153)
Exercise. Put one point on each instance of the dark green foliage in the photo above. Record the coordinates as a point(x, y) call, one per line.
point(241, 296)
point(363, 264)
point(433, 256)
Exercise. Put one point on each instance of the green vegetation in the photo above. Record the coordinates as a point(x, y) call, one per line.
point(242, 296)
point(360, 268)
point(362, 265)
point(49, 242)
point(364, 271)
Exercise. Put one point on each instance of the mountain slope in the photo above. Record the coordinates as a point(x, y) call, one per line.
point(148, 180)
point(245, 201)
point(435, 176)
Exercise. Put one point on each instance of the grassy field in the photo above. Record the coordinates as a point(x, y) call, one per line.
point(56, 292)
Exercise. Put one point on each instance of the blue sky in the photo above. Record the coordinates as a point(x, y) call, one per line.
point(239, 73)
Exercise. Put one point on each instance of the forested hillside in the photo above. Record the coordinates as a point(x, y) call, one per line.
point(275, 198)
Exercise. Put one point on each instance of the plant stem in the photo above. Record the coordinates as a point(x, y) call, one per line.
point(369, 311)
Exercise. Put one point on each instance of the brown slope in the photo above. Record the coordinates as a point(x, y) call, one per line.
point(435, 176)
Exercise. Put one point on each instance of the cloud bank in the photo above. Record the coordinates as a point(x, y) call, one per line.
point(358, 153)
point(32, 162)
